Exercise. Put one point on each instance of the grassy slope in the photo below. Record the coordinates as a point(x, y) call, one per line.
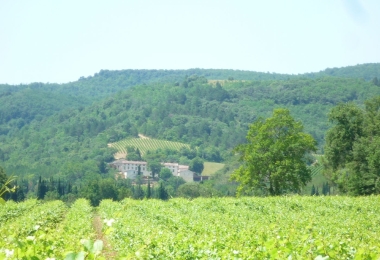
point(212, 167)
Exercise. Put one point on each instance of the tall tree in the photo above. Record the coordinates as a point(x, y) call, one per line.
point(162, 193)
point(348, 119)
point(155, 167)
point(352, 150)
point(274, 155)
point(148, 191)
point(3, 176)
point(196, 165)
point(165, 174)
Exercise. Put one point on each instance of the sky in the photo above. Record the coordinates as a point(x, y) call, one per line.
point(60, 41)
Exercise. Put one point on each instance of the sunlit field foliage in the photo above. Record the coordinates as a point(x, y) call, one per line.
point(205, 228)
point(246, 228)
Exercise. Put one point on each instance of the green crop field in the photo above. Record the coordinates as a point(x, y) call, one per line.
point(205, 228)
point(35, 230)
point(147, 144)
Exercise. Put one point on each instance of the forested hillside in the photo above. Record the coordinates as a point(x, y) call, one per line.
point(367, 72)
point(63, 130)
point(22, 107)
point(20, 104)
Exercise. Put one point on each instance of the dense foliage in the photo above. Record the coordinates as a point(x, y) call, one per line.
point(63, 130)
point(274, 155)
point(229, 228)
point(353, 147)
point(32, 230)
point(247, 228)
point(369, 71)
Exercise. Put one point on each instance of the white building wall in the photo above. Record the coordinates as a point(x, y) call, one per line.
point(187, 175)
point(130, 174)
point(173, 167)
point(130, 169)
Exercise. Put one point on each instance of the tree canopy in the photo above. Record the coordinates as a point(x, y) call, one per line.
point(352, 150)
point(274, 155)
point(196, 165)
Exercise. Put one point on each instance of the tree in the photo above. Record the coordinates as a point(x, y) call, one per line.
point(51, 195)
point(165, 174)
point(312, 190)
point(155, 167)
point(162, 193)
point(375, 81)
point(274, 155)
point(352, 150)
point(348, 120)
point(196, 165)
point(41, 189)
point(148, 191)
point(139, 170)
point(195, 189)
point(138, 192)
point(107, 189)
point(3, 177)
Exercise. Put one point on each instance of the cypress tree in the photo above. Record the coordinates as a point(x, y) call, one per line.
point(139, 170)
point(138, 154)
point(138, 192)
point(312, 190)
point(148, 191)
point(39, 189)
point(162, 193)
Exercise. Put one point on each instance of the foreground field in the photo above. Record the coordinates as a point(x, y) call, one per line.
point(227, 228)
point(248, 228)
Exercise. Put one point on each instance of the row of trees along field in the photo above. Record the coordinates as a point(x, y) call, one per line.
point(99, 188)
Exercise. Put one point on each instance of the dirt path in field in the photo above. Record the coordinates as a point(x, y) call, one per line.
point(107, 251)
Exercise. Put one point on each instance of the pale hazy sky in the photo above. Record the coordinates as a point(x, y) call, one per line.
point(62, 40)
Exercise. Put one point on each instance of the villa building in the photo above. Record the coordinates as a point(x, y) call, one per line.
point(130, 169)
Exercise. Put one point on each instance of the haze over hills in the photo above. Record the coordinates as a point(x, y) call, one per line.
point(62, 130)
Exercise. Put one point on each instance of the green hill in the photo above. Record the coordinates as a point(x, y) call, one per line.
point(362, 71)
point(62, 130)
